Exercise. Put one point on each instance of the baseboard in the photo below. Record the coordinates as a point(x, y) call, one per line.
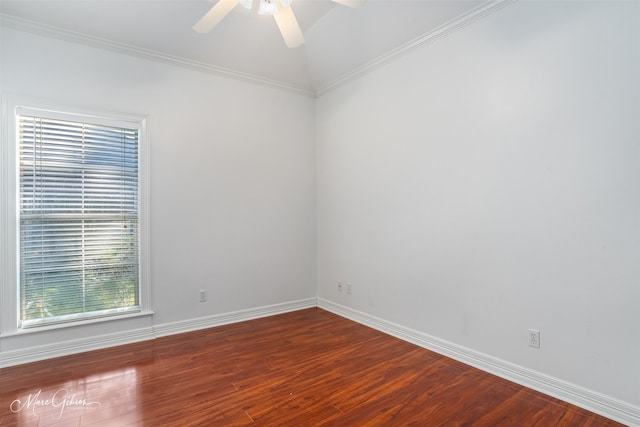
point(601, 404)
point(81, 345)
point(231, 317)
point(66, 348)
point(592, 401)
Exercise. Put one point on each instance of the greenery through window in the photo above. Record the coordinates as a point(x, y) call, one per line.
point(79, 218)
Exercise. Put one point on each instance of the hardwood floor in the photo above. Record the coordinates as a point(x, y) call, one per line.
point(306, 368)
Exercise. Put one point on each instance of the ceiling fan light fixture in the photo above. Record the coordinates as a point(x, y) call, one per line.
point(279, 9)
point(268, 7)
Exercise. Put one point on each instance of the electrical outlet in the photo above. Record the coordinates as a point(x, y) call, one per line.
point(203, 295)
point(339, 286)
point(534, 338)
point(349, 288)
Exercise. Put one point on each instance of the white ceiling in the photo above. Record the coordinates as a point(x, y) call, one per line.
point(338, 40)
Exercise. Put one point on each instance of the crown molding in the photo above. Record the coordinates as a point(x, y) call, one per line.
point(449, 27)
point(455, 24)
point(37, 28)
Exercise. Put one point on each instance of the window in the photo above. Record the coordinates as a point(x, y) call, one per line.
point(79, 217)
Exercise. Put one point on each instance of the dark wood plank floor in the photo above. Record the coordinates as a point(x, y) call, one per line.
point(306, 368)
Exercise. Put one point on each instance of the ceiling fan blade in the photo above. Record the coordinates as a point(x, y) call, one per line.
point(289, 28)
point(351, 3)
point(214, 16)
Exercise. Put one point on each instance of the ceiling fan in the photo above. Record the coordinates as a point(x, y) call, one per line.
point(280, 9)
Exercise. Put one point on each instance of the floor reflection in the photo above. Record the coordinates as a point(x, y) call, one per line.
point(106, 399)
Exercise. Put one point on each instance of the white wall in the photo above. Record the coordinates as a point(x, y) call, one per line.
point(232, 177)
point(489, 183)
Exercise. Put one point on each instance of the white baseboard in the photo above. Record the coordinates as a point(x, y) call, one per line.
point(81, 345)
point(66, 348)
point(601, 404)
point(592, 401)
point(232, 317)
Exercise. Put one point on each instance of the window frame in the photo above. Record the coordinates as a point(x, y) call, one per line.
point(10, 207)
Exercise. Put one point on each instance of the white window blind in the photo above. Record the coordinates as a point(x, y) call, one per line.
point(79, 219)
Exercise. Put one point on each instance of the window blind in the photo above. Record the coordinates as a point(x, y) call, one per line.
point(79, 220)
